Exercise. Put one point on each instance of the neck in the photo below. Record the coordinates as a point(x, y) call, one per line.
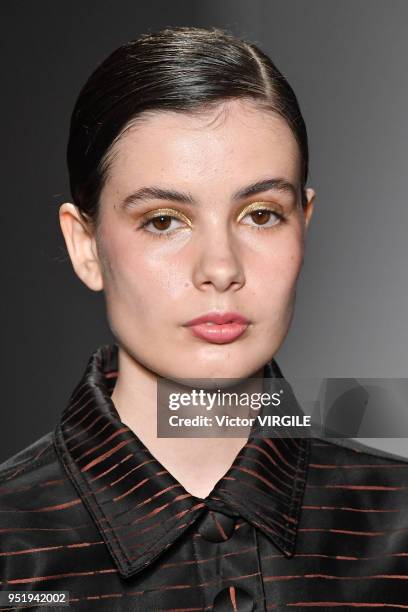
point(196, 463)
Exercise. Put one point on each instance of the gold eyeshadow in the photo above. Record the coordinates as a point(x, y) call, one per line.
point(273, 208)
point(166, 212)
point(173, 213)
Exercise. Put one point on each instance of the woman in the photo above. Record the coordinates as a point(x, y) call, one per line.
point(188, 163)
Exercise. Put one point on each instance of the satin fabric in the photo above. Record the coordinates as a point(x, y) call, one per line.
point(293, 524)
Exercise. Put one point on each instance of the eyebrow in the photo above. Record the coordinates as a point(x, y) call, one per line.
point(159, 193)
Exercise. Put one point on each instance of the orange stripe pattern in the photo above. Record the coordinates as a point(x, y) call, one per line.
point(294, 523)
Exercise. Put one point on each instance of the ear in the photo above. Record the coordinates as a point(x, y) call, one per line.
point(81, 244)
point(310, 196)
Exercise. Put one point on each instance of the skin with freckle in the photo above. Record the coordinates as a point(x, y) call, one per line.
point(206, 259)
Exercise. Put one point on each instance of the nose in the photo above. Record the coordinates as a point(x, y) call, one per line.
point(218, 263)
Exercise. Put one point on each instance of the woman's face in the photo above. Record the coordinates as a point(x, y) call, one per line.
point(201, 213)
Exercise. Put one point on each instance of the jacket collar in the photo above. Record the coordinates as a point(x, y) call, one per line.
point(139, 508)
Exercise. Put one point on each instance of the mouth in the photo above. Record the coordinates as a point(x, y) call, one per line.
point(218, 328)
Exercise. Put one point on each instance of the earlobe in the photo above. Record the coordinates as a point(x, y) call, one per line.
point(81, 245)
point(310, 197)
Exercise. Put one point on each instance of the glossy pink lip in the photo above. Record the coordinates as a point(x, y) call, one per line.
point(217, 327)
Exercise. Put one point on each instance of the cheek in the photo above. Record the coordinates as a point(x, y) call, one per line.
point(277, 268)
point(123, 269)
point(134, 276)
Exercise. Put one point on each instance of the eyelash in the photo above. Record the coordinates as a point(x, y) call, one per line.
point(170, 214)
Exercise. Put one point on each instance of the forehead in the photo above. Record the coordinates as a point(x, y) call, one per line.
point(230, 144)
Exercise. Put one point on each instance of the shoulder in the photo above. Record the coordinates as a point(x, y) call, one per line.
point(31, 480)
point(43, 521)
point(347, 466)
point(26, 462)
point(355, 450)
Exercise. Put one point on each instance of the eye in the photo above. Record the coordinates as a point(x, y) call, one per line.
point(260, 216)
point(163, 222)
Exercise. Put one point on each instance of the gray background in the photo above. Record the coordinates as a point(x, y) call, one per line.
point(347, 62)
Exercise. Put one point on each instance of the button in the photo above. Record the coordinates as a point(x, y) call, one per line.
point(216, 526)
point(233, 599)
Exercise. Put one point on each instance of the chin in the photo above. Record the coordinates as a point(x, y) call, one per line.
point(227, 367)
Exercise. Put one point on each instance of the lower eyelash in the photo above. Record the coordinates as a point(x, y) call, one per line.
point(156, 234)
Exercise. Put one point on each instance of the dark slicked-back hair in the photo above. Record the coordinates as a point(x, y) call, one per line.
point(182, 69)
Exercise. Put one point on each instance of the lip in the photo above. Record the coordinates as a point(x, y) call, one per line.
point(218, 327)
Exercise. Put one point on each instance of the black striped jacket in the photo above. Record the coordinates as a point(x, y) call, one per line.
point(294, 524)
